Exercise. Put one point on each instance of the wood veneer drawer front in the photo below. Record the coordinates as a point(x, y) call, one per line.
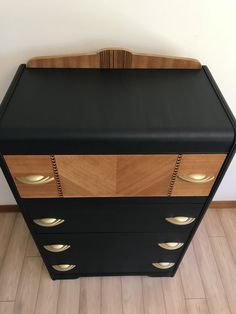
point(33, 175)
point(110, 253)
point(113, 217)
point(196, 174)
point(39, 176)
point(115, 175)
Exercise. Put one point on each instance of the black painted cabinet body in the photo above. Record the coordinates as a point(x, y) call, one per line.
point(114, 169)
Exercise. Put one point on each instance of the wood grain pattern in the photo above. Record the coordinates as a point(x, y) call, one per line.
point(47, 294)
point(7, 221)
point(115, 175)
point(227, 269)
point(228, 221)
point(209, 164)
point(7, 307)
point(23, 165)
point(197, 306)
point(111, 302)
point(132, 295)
point(153, 297)
point(28, 286)
point(69, 297)
point(213, 225)
point(90, 295)
point(174, 295)
point(114, 58)
point(215, 293)
point(223, 204)
point(13, 261)
point(191, 279)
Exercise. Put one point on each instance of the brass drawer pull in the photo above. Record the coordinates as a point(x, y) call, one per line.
point(63, 267)
point(163, 265)
point(34, 179)
point(48, 222)
point(196, 178)
point(56, 248)
point(171, 245)
point(180, 220)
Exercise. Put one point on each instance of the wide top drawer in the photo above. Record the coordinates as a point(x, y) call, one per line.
point(39, 176)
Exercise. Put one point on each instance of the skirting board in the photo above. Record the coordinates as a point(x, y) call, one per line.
point(214, 204)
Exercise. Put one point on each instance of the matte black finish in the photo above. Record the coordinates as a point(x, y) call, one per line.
point(91, 111)
point(105, 112)
point(111, 253)
point(113, 215)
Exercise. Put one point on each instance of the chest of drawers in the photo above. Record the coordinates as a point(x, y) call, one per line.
point(114, 158)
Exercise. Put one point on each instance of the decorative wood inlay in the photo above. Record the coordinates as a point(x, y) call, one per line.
point(56, 175)
point(115, 175)
point(23, 166)
point(193, 170)
point(175, 172)
point(114, 58)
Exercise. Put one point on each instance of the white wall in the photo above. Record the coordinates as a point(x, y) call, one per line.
point(204, 29)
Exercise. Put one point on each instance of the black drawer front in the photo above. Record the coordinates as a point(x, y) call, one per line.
point(112, 253)
point(112, 216)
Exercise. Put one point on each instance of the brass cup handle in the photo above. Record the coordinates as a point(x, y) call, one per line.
point(56, 248)
point(171, 245)
point(180, 220)
point(63, 267)
point(196, 178)
point(34, 179)
point(163, 265)
point(48, 222)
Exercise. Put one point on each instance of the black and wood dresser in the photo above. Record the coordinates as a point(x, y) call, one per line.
point(114, 158)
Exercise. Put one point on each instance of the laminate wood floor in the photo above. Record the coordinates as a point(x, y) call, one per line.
point(205, 282)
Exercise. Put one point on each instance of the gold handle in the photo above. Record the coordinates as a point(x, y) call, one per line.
point(48, 222)
point(180, 220)
point(56, 247)
point(196, 178)
point(163, 265)
point(34, 179)
point(171, 245)
point(63, 267)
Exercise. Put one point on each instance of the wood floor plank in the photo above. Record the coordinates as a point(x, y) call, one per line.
point(90, 295)
point(216, 297)
point(213, 224)
point(227, 268)
point(69, 297)
point(174, 295)
point(7, 221)
point(7, 307)
point(153, 297)
point(47, 294)
point(228, 220)
point(31, 249)
point(111, 295)
point(132, 295)
point(13, 261)
point(191, 279)
point(197, 306)
point(27, 291)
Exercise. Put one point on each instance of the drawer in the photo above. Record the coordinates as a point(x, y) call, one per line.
point(112, 253)
point(97, 175)
point(196, 174)
point(33, 175)
point(111, 215)
point(38, 176)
